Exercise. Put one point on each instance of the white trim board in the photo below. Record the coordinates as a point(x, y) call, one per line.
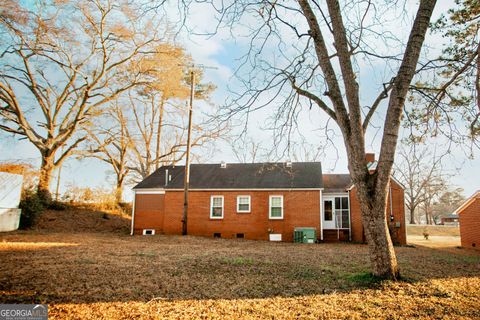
point(467, 202)
point(149, 191)
point(133, 215)
point(335, 194)
point(247, 190)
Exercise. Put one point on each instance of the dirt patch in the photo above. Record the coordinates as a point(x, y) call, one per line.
point(83, 219)
point(116, 276)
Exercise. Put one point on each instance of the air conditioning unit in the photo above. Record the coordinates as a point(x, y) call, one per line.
point(304, 235)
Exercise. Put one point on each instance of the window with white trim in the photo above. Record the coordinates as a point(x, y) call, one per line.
point(216, 207)
point(342, 213)
point(243, 204)
point(276, 207)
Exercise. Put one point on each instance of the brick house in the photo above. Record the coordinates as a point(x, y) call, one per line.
point(261, 201)
point(469, 216)
point(450, 220)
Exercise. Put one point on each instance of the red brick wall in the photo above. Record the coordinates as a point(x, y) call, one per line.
point(301, 209)
point(149, 210)
point(356, 218)
point(470, 225)
point(399, 235)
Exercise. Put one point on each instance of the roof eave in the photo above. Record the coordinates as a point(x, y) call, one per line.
point(467, 203)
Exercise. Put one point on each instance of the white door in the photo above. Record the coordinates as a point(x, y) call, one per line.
point(328, 218)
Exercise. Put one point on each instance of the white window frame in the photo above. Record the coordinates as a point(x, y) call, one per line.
point(145, 232)
point(270, 207)
point(211, 206)
point(249, 204)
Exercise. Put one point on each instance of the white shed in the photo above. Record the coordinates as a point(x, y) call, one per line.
point(10, 193)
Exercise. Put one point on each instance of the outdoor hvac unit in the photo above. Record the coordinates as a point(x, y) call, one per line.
point(304, 235)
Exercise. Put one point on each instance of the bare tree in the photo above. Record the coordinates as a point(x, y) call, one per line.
point(61, 67)
point(448, 200)
point(112, 145)
point(247, 150)
point(432, 190)
point(308, 71)
point(141, 133)
point(419, 170)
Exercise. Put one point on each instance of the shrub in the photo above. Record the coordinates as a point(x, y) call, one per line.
point(32, 207)
point(126, 207)
point(45, 197)
point(425, 233)
point(57, 205)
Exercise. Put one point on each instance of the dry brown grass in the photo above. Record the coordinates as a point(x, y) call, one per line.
point(446, 231)
point(82, 218)
point(111, 275)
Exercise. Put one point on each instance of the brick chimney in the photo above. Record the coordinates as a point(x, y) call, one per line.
point(370, 157)
point(371, 165)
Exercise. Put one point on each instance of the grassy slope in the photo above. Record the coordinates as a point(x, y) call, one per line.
point(446, 231)
point(112, 275)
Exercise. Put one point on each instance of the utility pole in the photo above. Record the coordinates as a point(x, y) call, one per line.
point(159, 133)
point(186, 181)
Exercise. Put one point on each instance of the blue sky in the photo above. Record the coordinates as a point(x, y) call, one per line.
point(221, 52)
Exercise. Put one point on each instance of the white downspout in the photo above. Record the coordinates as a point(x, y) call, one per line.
point(133, 212)
point(391, 204)
point(394, 229)
point(321, 215)
point(349, 219)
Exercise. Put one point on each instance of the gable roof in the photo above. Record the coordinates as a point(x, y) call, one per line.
point(451, 216)
point(467, 202)
point(301, 175)
point(336, 182)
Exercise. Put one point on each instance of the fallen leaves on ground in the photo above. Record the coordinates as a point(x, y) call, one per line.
point(111, 275)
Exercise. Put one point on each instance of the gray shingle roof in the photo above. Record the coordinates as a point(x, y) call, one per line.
point(336, 182)
point(239, 176)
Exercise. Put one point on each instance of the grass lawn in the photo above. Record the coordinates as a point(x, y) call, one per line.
point(111, 275)
point(440, 231)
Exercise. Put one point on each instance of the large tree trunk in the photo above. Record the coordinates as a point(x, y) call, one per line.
point(412, 215)
point(382, 254)
point(45, 177)
point(428, 216)
point(119, 190)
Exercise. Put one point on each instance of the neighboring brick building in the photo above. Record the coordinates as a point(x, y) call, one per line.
point(469, 215)
point(450, 220)
point(259, 201)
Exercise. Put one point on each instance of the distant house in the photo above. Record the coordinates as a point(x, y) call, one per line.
point(10, 192)
point(450, 220)
point(262, 201)
point(469, 215)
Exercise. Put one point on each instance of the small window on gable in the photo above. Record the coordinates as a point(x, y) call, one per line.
point(276, 207)
point(243, 204)
point(216, 207)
